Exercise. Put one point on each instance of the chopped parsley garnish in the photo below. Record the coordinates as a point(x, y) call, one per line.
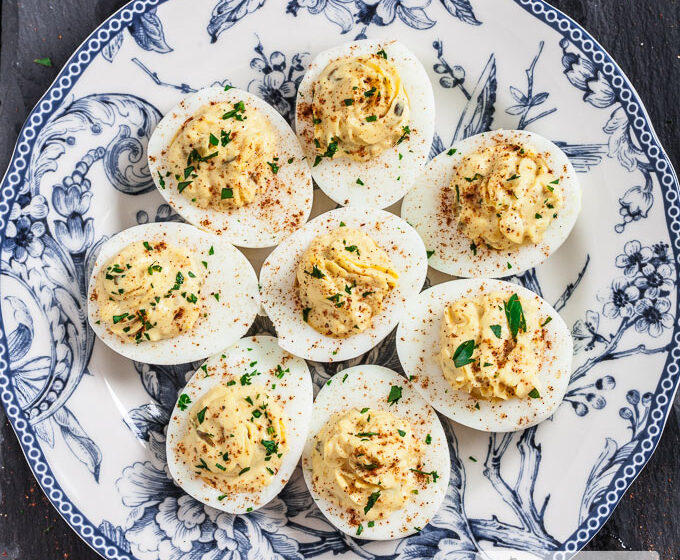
point(202, 464)
point(367, 434)
point(382, 53)
point(191, 298)
point(353, 249)
point(451, 152)
point(509, 266)
point(371, 118)
point(243, 471)
point(222, 468)
point(220, 498)
point(213, 140)
point(225, 138)
point(161, 181)
point(147, 246)
point(316, 121)
point(236, 112)
point(360, 529)
point(477, 405)
point(316, 273)
point(245, 379)
point(430, 253)
point(227, 193)
point(329, 153)
point(119, 318)
point(228, 87)
point(274, 166)
point(364, 410)
point(474, 178)
point(336, 300)
point(395, 394)
point(271, 446)
point(515, 176)
point(515, 315)
point(349, 102)
point(360, 182)
point(216, 296)
point(544, 323)
point(405, 134)
point(463, 354)
point(555, 182)
point(496, 330)
point(344, 377)
point(370, 92)
point(201, 415)
point(537, 216)
point(372, 499)
point(402, 433)
point(183, 402)
point(371, 523)
point(305, 313)
point(433, 474)
point(280, 372)
point(183, 185)
point(534, 394)
point(366, 294)
point(428, 439)
point(46, 61)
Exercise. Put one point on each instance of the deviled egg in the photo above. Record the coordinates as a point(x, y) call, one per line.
point(365, 118)
point(239, 426)
point(376, 459)
point(494, 204)
point(486, 353)
point(169, 293)
point(338, 286)
point(229, 163)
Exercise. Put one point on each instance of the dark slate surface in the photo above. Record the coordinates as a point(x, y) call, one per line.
point(643, 36)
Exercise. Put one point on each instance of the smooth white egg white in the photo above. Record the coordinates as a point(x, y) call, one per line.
point(418, 345)
point(369, 386)
point(279, 290)
point(293, 393)
point(387, 177)
point(222, 322)
point(282, 207)
point(452, 251)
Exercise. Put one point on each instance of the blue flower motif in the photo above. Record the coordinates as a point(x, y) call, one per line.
point(335, 10)
point(280, 82)
point(75, 234)
point(384, 12)
point(655, 281)
point(634, 257)
point(583, 75)
point(25, 228)
point(621, 299)
point(654, 316)
point(634, 205)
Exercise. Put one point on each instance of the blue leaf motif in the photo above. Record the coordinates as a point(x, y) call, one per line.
point(228, 12)
point(414, 17)
point(147, 31)
point(621, 142)
point(110, 50)
point(85, 450)
point(462, 9)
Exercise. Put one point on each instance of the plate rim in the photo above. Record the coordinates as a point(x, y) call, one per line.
point(63, 83)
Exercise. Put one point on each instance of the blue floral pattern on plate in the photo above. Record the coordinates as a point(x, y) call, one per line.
point(79, 175)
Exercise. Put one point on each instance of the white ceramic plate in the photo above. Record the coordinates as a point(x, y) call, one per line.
point(96, 442)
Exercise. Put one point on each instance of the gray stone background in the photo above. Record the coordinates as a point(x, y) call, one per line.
point(643, 36)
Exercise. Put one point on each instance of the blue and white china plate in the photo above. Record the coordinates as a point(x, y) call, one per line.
point(92, 424)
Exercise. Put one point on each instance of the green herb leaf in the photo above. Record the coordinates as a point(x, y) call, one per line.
point(305, 313)
point(451, 152)
point(227, 193)
point(496, 329)
point(47, 61)
point(201, 415)
point(544, 323)
point(372, 499)
point(534, 394)
point(349, 102)
point(430, 253)
point(183, 402)
point(463, 354)
point(395, 394)
point(515, 315)
point(382, 53)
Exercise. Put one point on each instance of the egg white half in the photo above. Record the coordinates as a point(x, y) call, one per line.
point(293, 393)
point(369, 386)
point(418, 346)
point(422, 208)
point(228, 273)
point(386, 178)
point(282, 207)
point(279, 291)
